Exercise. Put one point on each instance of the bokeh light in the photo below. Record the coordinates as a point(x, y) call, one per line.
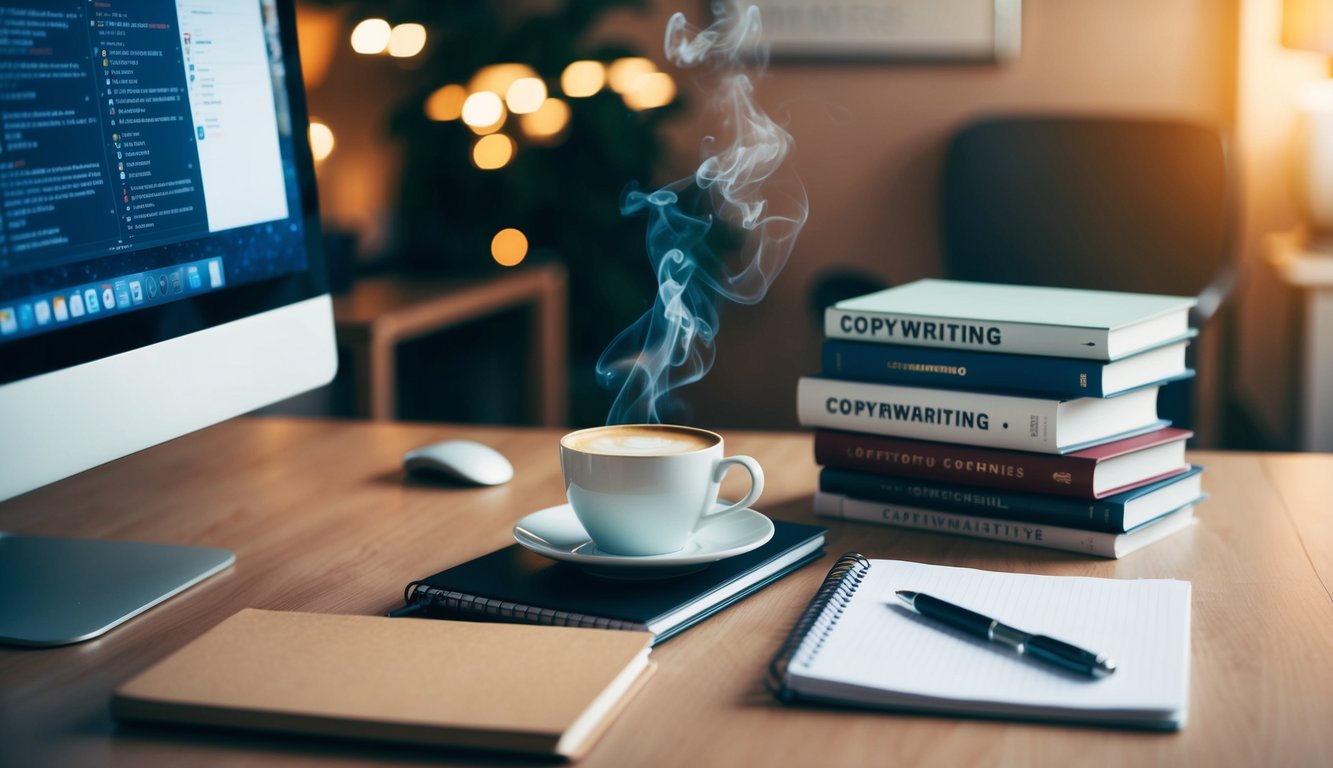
point(583, 78)
point(623, 72)
point(547, 122)
point(509, 247)
point(371, 36)
point(446, 103)
point(492, 152)
point(483, 109)
point(497, 78)
point(321, 141)
point(650, 91)
point(525, 95)
point(407, 40)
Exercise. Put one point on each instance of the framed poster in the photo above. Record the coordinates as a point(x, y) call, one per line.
point(904, 30)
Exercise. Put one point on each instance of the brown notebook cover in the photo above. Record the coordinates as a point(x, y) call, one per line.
point(489, 686)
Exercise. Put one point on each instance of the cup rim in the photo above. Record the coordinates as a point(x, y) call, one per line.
point(681, 427)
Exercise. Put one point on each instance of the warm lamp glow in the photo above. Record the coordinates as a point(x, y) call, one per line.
point(317, 32)
point(623, 72)
point(546, 122)
point(508, 247)
point(483, 109)
point(492, 152)
point(321, 141)
point(650, 91)
point(497, 78)
point(582, 79)
point(525, 95)
point(446, 103)
point(407, 40)
point(371, 36)
point(1308, 25)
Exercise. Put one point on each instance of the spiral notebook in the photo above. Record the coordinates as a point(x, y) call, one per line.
point(856, 644)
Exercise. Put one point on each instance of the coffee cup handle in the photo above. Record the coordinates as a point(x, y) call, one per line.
point(756, 485)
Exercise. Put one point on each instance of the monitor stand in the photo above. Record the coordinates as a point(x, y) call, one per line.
point(56, 591)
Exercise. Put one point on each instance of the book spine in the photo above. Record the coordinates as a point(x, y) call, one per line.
point(984, 502)
point(1034, 534)
point(971, 418)
point(449, 603)
point(956, 464)
point(923, 367)
point(950, 333)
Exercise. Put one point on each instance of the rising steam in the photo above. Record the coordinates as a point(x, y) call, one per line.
point(742, 179)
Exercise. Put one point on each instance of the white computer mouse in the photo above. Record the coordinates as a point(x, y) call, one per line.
point(462, 461)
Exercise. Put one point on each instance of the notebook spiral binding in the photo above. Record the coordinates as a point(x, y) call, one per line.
point(817, 620)
point(460, 603)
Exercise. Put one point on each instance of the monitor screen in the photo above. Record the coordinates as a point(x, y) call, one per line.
point(154, 175)
point(159, 266)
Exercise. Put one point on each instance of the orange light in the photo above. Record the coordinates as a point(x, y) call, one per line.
point(546, 122)
point(483, 110)
point(582, 79)
point(446, 103)
point(650, 91)
point(493, 151)
point(509, 247)
point(525, 95)
point(623, 72)
point(321, 141)
point(406, 40)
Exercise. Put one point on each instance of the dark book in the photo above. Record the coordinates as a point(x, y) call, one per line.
point(1092, 473)
point(1114, 514)
point(515, 585)
point(998, 372)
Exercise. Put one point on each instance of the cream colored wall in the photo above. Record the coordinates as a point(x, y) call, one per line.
point(869, 140)
point(1269, 76)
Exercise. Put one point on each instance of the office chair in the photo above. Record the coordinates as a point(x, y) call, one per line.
point(1104, 203)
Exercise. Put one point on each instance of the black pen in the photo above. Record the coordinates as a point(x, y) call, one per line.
point(1039, 647)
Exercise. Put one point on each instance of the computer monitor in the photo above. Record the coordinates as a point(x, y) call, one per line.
point(160, 268)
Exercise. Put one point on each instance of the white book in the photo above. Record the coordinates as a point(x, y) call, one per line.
point(857, 644)
point(1041, 425)
point(1099, 543)
point(1021, 319)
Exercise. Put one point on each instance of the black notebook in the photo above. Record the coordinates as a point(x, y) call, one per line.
point(515, 585)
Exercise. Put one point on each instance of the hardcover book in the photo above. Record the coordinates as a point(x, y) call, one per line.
point(1113, 514)
point(1039, 376)
point(1058, 322)
point(1042, 425)
point(437, 683)
point(1092, 473)
point(515, 585)
point(1099, 543)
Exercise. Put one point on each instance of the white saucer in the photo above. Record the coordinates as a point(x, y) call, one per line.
point(556, 533)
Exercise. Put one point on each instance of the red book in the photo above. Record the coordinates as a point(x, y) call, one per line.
point(1091, 473)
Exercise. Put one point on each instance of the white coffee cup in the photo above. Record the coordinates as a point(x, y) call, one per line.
point(645, 489)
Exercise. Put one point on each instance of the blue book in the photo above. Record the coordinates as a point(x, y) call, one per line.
point(1113, 514)
point(1031, 374)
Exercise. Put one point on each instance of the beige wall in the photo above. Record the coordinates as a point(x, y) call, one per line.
point(869, 140)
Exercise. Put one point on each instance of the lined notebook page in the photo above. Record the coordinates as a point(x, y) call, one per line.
point(879, 652)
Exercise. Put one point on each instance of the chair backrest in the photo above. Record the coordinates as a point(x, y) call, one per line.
point(1114, 204)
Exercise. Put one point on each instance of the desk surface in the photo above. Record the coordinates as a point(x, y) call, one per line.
point(321, 519)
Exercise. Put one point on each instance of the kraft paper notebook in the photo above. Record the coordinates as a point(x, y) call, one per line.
point(856, 644)
point(549, 690)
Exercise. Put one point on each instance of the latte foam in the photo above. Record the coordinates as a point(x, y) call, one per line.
point(639, 440)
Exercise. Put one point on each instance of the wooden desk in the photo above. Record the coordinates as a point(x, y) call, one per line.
point(321, 519)
point(380, 313)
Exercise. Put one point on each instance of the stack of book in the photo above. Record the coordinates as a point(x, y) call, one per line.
point(1012, 413)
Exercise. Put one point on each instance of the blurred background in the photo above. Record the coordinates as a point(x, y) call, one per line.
point(460, 146)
